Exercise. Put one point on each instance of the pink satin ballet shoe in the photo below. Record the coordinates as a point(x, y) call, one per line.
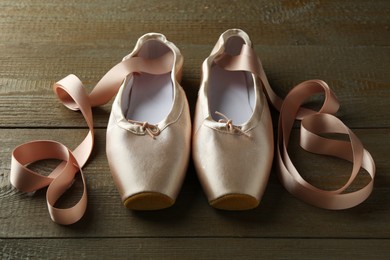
point(149, 130)
point(148, 134)
point(232, 134)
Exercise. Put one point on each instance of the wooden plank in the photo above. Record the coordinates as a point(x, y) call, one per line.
point(346, 43)
point(195, 248)
point(272, 22)
point(354, 73)
point(279, 215)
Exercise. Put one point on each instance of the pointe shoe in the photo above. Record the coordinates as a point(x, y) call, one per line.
point(149, 130)
point(232, 133)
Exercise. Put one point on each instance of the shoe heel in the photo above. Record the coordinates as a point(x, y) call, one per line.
point(179, 75)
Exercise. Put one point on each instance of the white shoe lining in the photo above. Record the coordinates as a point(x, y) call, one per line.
point(150, 98)
point(231, 92)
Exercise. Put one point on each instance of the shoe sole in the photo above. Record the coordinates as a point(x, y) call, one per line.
point(148, 201)
point(235, 201)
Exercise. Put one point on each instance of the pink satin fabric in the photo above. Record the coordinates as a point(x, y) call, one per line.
point(313, 125)
point(72, 94)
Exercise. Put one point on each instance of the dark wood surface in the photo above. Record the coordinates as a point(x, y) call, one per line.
point(345, 43)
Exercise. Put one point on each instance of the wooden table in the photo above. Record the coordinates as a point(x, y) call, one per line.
point(345, 43)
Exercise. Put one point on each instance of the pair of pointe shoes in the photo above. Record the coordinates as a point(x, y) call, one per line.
point(149, 131)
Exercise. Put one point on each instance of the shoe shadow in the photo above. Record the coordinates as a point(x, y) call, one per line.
point(268, 210)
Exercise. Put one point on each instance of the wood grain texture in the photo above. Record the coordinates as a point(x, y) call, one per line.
point(345, 43)
point(279, 215)
point(189, 248)
point(115, 23)
point(362, 87)
point(88, 38)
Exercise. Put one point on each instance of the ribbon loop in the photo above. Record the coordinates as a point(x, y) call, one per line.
point(313, 125)
point(72, 94)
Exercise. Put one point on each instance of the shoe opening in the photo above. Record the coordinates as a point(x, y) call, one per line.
point(231, 93)
point(148, 97)
point(153, 49)
point(233, 45)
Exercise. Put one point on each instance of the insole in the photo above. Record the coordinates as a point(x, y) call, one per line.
point(232, 94)
point(151, 98)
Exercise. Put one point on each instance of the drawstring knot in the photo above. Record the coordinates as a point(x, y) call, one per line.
point(229, 124)
point(151, 130)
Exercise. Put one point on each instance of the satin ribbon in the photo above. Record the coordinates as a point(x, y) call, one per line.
point(313, 125)
point(72, 94)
